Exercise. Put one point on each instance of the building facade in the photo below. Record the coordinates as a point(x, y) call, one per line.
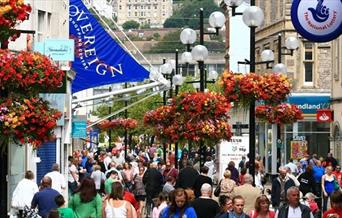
point(336, 98)
point(309, 68)
point(48, 20)
point(146, 12)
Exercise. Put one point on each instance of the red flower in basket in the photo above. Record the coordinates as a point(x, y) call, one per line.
point(28, 73)
point(281, 114)
point(30, 120)
point(12, 12)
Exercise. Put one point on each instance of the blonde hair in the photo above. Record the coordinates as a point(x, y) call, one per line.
point(227, 174)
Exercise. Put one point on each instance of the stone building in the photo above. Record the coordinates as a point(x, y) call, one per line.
point(310, 70)
point(336, 98)
point(145, 12)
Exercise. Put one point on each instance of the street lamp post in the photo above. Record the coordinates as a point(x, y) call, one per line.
point(253, 17)
point(170, 70)
point(110, 118)
point(199, 53)
point(126, 98)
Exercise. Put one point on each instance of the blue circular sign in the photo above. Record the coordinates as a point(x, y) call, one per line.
point(317, 20)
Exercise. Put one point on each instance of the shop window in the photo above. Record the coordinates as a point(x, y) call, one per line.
point(314, 134)
point(308, 64)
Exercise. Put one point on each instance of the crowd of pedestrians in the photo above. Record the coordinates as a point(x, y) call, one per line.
point(106, 184)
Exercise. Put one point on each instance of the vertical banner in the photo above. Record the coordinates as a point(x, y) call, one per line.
point(298, 149)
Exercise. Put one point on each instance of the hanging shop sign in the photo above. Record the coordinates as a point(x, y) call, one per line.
point(310, 103)
point(317, 20)
point(324, 116)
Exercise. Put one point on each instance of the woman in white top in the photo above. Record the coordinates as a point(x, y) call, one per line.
point(115, 206)
point(23, 193)
point(98, 177)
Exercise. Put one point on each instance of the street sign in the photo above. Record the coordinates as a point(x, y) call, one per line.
point(79, 127)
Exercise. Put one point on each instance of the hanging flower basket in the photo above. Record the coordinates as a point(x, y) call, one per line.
point(162, 120)
point(241, 88)
point(29, 120)
point(280, 114)
point(28, 73)
point(192, 116)
point(12, 12)
point(119, 125)
point(275, 88)
point(244, 88)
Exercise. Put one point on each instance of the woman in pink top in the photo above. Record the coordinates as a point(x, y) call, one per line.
point(128, 175)
point(162, 204)
point(262, 208)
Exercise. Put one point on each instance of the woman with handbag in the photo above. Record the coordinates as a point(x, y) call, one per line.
point(227, 185)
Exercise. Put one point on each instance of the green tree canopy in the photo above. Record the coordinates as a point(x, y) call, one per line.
point(131, 24)
point(168, 44)
point(188, 14)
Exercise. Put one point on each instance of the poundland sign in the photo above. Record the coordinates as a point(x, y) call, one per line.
point(317, 20)
point(310, 104)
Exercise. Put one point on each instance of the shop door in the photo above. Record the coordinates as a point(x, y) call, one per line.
point(47, 155)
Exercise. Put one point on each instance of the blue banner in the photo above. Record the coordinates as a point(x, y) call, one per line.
point(99, 60)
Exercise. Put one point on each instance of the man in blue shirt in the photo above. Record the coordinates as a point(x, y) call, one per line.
point(318, 172)
point(45, 198)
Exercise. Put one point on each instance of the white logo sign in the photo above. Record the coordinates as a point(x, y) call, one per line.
point(317, 20)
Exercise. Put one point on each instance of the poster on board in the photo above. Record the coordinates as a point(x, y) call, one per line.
point(298, 149)
point(232, 150)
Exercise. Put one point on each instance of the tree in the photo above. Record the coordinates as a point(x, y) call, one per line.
point(131, 24)
point(168, 44)
point(188, 15)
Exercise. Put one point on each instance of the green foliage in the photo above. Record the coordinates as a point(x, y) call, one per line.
point(168, 44)
point(188, 15)
point(156, 36)
point(131, 24)
point(145, 26)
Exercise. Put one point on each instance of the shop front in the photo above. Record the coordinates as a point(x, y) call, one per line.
point(310, 135)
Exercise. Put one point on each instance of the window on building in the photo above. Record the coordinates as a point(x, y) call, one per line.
point(308, 63)
point(41, 25)
point(120, 7)
point(129, 7)
point(136, 13)
point(155, 7)
point(142, 14)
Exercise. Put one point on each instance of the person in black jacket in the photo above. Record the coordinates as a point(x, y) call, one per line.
point(201, 179)
point(307, 181)
point(294, 208)
point(205, 206)
point(280, 185)
point(153, 182)
point(187, 176)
